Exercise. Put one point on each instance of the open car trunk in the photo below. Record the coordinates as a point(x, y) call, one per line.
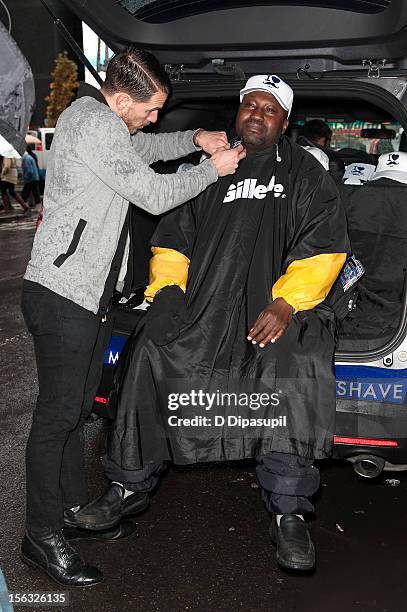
point(332, 54)
point(326, 34)
point(345, 61)
point(376, 212)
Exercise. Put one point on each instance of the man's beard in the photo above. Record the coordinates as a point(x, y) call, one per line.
point(253, 139)
point(130, 126)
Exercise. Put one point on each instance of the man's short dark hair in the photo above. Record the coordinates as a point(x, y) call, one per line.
point(137, 73)
point(315, 129)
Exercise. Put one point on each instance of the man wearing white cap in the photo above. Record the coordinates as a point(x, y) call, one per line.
point(234, 359)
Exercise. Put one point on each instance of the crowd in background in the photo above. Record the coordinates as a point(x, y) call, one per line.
point(9, 179)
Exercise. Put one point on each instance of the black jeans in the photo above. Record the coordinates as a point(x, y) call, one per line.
point(7, 187)
point(32, 187)
point(69, 344)
point(287, 481)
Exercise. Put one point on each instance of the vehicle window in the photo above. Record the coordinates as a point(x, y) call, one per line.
point(349, 135)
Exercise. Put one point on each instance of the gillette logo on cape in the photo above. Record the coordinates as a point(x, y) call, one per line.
point(249, 189)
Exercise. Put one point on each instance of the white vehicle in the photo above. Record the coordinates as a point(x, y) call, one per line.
point(41, 149)
point(346, 62)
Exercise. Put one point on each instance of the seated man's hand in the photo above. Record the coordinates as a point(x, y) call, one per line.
point(227, 161)
point(211, 141)
point(271, 323)
point(166, 316)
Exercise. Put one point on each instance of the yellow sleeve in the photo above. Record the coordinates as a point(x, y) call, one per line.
point(167, 267)
point(307, 282)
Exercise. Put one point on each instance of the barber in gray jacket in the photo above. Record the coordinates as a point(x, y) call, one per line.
point(99, 162)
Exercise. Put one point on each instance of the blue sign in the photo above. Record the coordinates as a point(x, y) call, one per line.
point(115, 348)
point(364, 383)
point(353, 382)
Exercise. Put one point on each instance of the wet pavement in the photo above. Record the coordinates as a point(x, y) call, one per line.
point(16, 214)
point(203, 545)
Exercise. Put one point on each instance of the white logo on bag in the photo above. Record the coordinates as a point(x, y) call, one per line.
point(249, 189)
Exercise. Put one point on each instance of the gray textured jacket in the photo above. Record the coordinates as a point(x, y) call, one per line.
point(95, 169)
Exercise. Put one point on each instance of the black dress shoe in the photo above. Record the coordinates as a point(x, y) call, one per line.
point(295, 549)
point(107, 510)
point(53, 555)
point(124, 529)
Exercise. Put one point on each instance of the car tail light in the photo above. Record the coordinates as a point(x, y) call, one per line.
point(38, 147)
point(365, 441)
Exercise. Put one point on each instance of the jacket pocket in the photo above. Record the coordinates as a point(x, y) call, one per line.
point(74, 244)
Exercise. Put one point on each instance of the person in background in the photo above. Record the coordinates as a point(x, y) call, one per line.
point(9, 180)
point(35, 158)
point(317, 133)
point(30, 150)
point(31, 178)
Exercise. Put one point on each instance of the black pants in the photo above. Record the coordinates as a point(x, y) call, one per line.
point(69, 344)
point(7, 188)
point(287, 481)
point(32, 187)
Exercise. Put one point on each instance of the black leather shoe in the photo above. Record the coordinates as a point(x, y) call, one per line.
point(107, 510)
point(124, 529)
point(53, 555)
point(295, 549)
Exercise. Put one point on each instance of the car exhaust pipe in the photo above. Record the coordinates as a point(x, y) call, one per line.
point(368, 466)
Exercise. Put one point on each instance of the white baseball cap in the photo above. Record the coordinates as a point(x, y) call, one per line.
point(392, 166)
point(271, 83)
point(319, 155)
point(358, 173)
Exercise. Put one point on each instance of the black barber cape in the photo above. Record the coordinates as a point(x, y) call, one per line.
point(209, 394)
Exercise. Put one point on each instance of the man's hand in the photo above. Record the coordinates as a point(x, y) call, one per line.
point(211, 141)
point(271, 323)
point(226, 161)
point(166, 316)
